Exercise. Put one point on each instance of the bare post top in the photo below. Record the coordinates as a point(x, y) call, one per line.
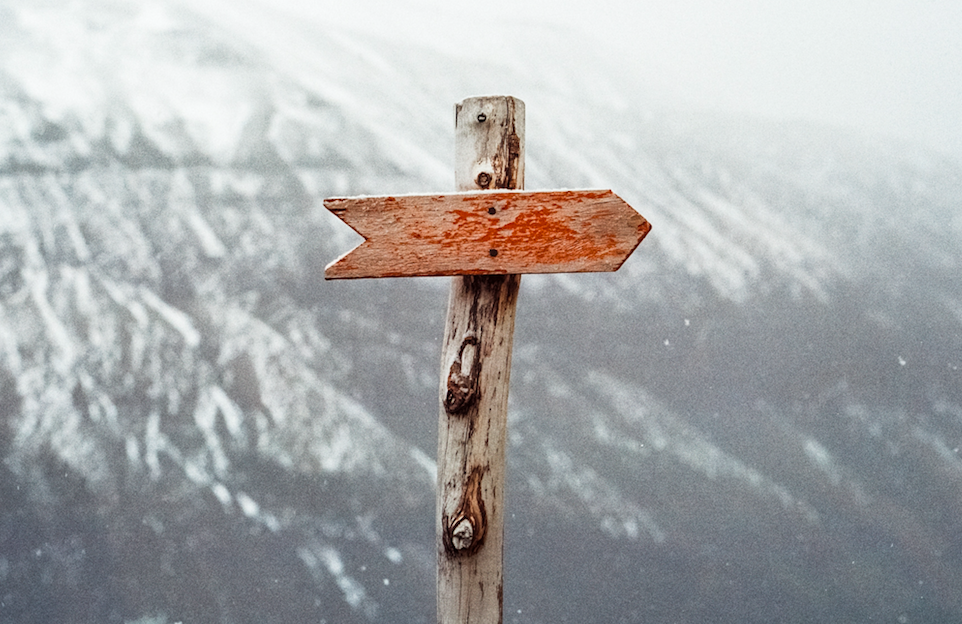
point(488, 143)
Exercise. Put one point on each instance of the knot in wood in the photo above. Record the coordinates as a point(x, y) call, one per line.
point(462, 536)
point(462, 389)
point(464, 530)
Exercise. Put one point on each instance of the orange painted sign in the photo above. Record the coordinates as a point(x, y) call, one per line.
point(488, 232)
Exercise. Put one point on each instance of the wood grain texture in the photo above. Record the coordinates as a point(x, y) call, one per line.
point(497, 232)
point(471, 454)
point(476, 364)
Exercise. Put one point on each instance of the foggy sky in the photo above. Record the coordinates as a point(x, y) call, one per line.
point(891, 67)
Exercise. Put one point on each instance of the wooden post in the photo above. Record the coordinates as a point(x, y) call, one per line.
point(475, 373)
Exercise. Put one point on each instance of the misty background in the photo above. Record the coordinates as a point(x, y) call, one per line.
point(758, 418)
point(892, 67)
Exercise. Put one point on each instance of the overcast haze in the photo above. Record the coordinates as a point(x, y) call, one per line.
point(758, 418)
point(890, 66)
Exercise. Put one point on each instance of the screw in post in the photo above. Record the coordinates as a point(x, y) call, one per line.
point(484, 179)
point(482, 117)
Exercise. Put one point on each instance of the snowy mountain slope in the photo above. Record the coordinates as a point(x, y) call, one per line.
point(757, 418)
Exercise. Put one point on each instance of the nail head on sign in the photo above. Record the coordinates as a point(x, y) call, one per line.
point(493, 252)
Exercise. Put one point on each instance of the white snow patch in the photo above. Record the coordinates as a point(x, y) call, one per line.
point(177, 319)
point(618, 516)
point(205, 415)
point(665, 432)
point(121, 298)
point(232, 415)
point(248, 505)
point(210, 244)
point(337, 449)
point(153, 443)
point(133, 450)
point(422, 459)
point(949, 456)
point(393, 555)
point(823, 460)
point(317, 556)
point(55, 328)
point(222, 494)
point(195, 472)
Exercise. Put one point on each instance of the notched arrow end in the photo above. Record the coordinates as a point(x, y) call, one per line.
point(342, 268)
point(338, 206)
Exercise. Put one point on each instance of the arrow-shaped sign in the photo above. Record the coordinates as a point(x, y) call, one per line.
point(488, 232)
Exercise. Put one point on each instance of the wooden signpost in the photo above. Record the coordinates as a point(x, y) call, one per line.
point(487, 237)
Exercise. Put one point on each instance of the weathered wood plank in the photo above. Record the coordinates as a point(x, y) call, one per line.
point(496, 232)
